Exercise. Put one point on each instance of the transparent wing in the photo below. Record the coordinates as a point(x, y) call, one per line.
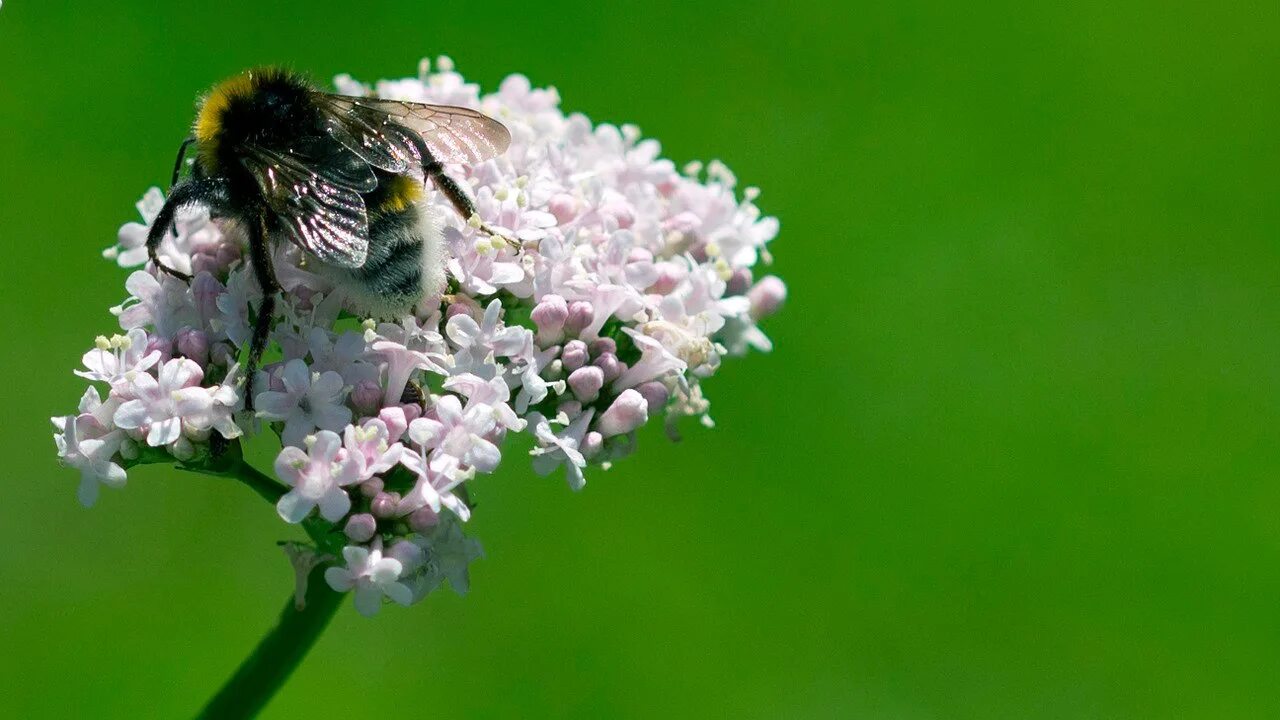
point(388, 133)
point(320, 214)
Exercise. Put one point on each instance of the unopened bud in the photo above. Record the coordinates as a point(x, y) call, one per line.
point(193, 344)
point(654, 393)
point(574, 355)
point(767, 296)
point(629, 411)
point(739, 282)
point(549, 315)
point(183, 449)
point(371, 488)
point(610, 365)
point(361, 527)
point(603, 345)
point(586, 383)
point(396, 421)
point(409, 554)
point(591, 444)
point(366, 397)
point(564, 207)
point(384, 505)
point(423, 519)
point(581, 313)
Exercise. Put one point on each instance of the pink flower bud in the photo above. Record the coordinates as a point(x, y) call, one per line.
point(183, 449)
point(193, 344)
point(163, 345)
point(739, 282)
point(656, 394)
point(564, 207)
point(371, 488)
point(767, 296)
point(409, 554)
point(423, 519)
point(581, 313)
point(361, 527)
point(621, 213)
point(204, 262)
point(384, 506)
point(686, 222)
point(629, 411)
point(639, 254)
point(612, 367)
point(412, 411)
point(571, 408)
point(591, 444)
point(574, 355)
point(549, 315)
point(464, 304)
point(396, 421)
point(603, 345)
point(669, 277)
point(366, 397)
point(586, 383)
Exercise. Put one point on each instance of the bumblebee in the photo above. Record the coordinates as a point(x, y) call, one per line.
point(341, 177)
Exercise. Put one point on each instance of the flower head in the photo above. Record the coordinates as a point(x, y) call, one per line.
point(621, 283)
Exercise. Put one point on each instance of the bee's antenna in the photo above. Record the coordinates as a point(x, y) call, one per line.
point(177, 164)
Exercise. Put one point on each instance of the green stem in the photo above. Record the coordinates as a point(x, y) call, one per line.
point(265, 671)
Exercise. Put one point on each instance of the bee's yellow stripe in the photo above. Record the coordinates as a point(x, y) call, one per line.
point(208, 125)
point(402, 191)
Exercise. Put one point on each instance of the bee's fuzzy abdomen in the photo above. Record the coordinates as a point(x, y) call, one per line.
point(405, 264)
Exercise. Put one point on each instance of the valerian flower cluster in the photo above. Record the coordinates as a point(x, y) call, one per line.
point(629, 282)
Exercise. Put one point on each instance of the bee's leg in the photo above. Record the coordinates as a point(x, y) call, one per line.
point(260, 256)
point(204, 192)
point(447, 185)
point(179, 195)
point(177, 164)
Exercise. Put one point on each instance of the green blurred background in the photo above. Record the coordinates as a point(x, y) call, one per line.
point(1014, 457)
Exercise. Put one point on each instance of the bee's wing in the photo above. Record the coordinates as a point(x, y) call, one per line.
point(387, 133)
point(314, 193)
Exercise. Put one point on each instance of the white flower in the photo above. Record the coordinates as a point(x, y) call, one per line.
point(371, 442)
point(449, 557)
point(655, 362)
point(111, 359)
point(213, 408)
point(164, 303)
point(92, 456)
point(342, 355)
point(317, 478)
point(233, 306)
point(493, 393)
point(372, 575)
point(401, 363)
point(486, 338)
point(458, 434)
point(309, 401)
point(556, 449)
point(153, 406)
